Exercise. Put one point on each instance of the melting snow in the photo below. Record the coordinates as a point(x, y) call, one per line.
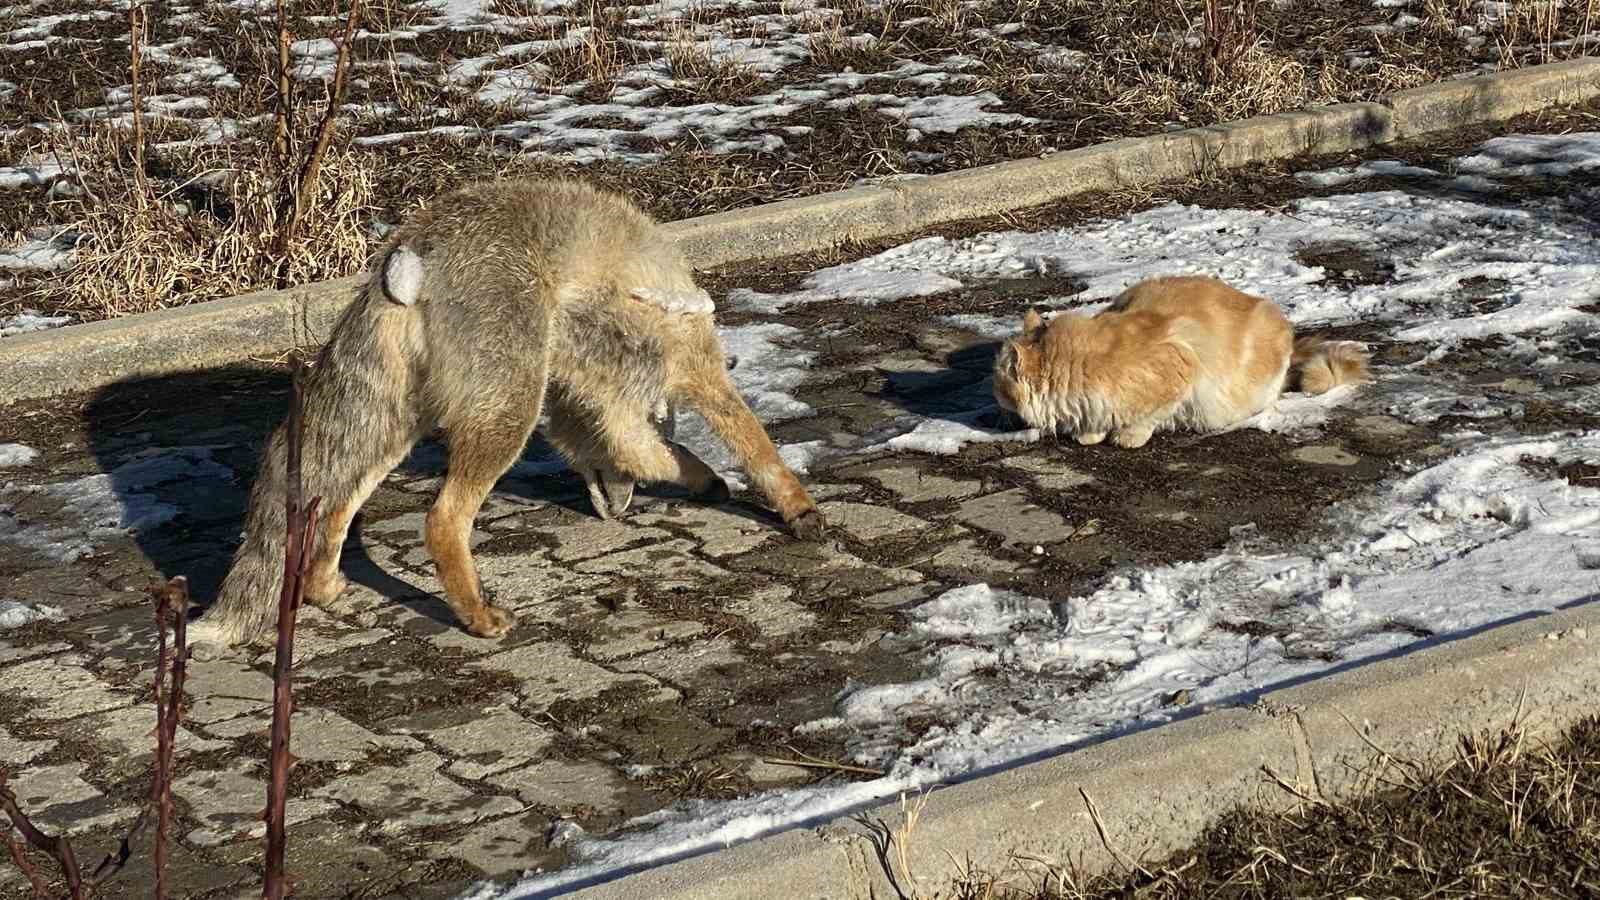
point(30, 320)
point(15, 614)
point(1475, 539)
point(12, 455)
point(98, 506)
point(1468, 542)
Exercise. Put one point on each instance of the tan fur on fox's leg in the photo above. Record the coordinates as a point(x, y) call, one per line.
point(725, 411)
point(324, 583)
point(481, 450)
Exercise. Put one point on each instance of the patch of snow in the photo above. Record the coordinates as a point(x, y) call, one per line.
point(34, 176)
point(13, 455)
point(1298, 412)
point(86, 510)
point(1473, 540)
point(1523, 155)
point(15, 614)
point(38, 255)
point(1369, 169)
point(29, 320)
point(1435, 243)
point(946, 436)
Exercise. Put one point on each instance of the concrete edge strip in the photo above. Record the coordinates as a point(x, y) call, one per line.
point(267, 323)
point(1155, 791)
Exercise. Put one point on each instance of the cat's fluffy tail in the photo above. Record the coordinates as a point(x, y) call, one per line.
point(1324, 365)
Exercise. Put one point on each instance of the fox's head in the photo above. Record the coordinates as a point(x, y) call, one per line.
point(1017, 370)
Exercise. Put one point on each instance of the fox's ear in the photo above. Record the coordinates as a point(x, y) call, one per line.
point(1032, 321)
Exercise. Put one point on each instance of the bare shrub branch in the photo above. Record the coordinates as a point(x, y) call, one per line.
point(302, 189)
point(296, 563)
point(138, 21)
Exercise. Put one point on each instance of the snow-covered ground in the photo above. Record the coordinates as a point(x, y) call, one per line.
point(1488, 533)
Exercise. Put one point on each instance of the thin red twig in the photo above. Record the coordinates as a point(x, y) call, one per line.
point(298, 193)
point(20, 857)
point(283, 109)
point(172, 603)
point(296, 563)
point(138, 17)
point(58, 847)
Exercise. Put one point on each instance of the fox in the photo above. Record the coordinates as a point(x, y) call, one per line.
point(497, 302)
point(1169, 352)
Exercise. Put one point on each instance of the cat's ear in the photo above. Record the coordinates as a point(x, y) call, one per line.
point(1032, 321)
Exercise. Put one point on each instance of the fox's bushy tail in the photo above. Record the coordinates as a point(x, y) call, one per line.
point(359, 418)
point(1323, 365)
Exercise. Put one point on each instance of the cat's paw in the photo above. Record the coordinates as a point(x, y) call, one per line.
point(1132, 438)
point(1089, 438)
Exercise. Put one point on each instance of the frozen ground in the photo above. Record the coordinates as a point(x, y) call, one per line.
point(988, 595)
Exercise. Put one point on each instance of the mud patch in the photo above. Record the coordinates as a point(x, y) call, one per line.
point(1347, 265)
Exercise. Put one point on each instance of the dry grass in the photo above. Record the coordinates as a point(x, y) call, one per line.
point(1127, 67)
point(593, 57)
point(703, 74)
point(206, 231)
point(1503, 816)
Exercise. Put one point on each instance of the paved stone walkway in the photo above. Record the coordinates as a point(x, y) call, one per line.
point(664, 657)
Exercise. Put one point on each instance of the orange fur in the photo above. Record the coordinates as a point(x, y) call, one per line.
point(1189, 352)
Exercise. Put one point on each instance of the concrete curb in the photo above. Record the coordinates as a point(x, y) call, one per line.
point(85, 357)
point(1156, 790)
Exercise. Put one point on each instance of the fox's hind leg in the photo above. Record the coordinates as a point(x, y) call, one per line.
point(324, 583)
point(484, 442)
point(610, 490)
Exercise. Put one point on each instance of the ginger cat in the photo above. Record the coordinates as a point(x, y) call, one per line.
point(1188, 352)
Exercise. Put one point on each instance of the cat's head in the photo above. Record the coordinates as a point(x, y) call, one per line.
point(1017, 368)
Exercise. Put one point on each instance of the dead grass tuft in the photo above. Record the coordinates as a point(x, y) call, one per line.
point(1531, 30)
point(1504, 816)
point(208, 232)
point(832, 47)
point(704, 74)
point(593, 57)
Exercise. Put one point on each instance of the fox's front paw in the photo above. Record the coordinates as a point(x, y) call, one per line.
point(492, 622)
point(809, 525)
point(609, 493)
point(1089, 438)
